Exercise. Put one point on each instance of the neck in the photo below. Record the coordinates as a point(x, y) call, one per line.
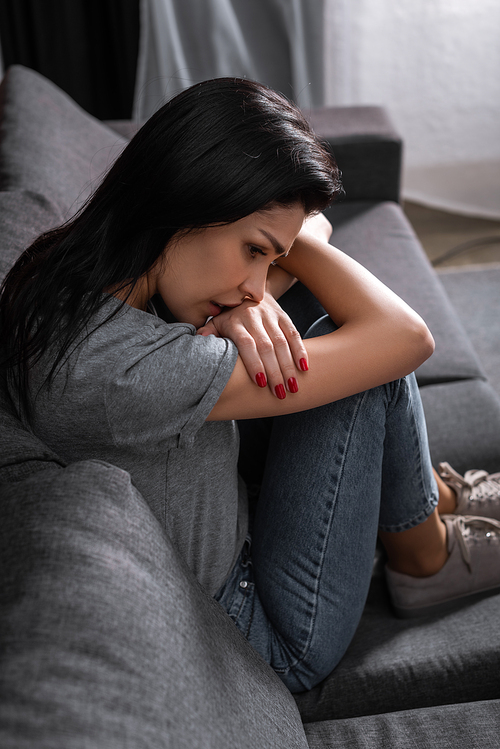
point(138, 297)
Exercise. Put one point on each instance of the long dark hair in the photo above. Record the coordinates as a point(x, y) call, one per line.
point(215, 153)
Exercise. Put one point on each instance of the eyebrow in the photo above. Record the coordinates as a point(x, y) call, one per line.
point(279, 249)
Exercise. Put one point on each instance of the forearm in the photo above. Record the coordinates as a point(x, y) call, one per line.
point(379, 338)
point(360, 303)
point(278, 281)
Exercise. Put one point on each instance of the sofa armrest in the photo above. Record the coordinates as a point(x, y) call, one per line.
point(367, 148)
point(107, 639)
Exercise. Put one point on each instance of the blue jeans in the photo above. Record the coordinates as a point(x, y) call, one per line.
point(332, 477)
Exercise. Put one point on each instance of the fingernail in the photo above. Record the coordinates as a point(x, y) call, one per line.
point(261, 379)
point(303, 365)
point(280, 392)
point(292, 385)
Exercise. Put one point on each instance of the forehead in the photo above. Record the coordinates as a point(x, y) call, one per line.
point(279, 225)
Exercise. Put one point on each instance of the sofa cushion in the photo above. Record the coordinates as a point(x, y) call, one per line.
point(474, 292)
point(473, 725)
point(463, 421)
point(395, 664)
point(379, 236)
point(106, 638)
point(23, 216)
point(48, 143)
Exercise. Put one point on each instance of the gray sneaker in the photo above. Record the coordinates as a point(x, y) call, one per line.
point(478, 492)
point(472, 569)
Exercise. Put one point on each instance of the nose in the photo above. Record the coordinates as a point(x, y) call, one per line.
point(255, 285)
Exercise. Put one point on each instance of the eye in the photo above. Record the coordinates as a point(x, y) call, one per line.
point(254, 251)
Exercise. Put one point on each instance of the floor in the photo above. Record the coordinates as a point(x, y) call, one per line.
point(474, 240)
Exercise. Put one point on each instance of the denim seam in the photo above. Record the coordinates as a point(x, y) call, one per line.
point(307, 645)
point(432, 502)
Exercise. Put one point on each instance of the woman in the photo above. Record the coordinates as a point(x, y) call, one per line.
point(139, 332)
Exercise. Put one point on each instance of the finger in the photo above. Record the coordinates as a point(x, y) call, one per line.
point(295, 343)
point(229, 326)
point(264, 347)
point(279, 362)
point(247, 349)
point(258, 353)
point(272, 368)
point(208, 329)
point(276, 351)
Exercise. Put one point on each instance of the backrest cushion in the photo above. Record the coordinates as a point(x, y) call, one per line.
point(24, 215)
point(48, 144)
point(107, 640)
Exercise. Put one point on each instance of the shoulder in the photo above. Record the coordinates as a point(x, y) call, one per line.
point(131, 338)
point(159, 379)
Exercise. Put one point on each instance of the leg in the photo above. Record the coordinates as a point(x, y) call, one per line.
point(420, 551)
point(441, 561)
point(316, 527)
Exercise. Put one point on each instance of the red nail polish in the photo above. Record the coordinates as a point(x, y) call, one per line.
point(292, 385)
point(280, 392)
point(303, 365)
point(261, 379)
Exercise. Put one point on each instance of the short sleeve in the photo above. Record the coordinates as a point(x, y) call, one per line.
point(164, 384)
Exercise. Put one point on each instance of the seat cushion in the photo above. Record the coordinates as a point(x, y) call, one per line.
point(395, 664)
point(49, 145)
point(473, 725)
point(379, 236)
point(463, 422)
point(106, 638)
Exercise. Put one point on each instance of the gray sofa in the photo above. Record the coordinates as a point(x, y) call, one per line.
point(106, 639)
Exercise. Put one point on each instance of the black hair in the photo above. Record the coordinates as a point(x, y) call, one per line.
point(215, 153)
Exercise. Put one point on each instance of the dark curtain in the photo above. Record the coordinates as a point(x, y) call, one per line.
point(87, 47)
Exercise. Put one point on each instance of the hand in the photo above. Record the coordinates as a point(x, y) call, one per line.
point(267, 340)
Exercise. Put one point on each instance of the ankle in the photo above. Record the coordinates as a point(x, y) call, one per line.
point(447, 499)
point(420, 566)
point(417, 555)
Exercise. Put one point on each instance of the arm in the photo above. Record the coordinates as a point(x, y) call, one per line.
point(267, 340)
point(278, 280)
point(379, 339)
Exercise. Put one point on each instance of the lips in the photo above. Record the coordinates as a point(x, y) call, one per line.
point(216, 308)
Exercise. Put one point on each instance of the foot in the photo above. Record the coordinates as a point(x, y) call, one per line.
point(472, 569)
point(478, 493)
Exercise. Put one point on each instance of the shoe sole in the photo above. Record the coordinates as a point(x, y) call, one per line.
point(444, 606)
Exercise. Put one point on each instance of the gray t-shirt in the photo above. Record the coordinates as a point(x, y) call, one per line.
point(136, 393)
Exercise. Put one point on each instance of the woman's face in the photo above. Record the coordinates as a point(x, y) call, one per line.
point(209, 269)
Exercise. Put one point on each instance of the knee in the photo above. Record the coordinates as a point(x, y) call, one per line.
point(311, 670)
